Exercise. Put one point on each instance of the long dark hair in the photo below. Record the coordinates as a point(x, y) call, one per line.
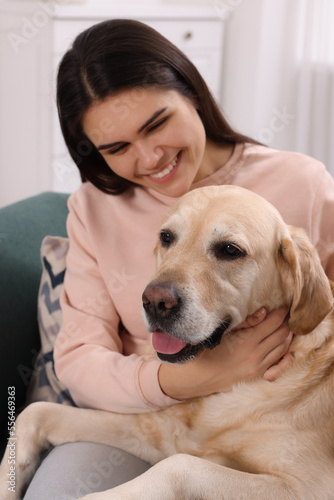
point(124, 54)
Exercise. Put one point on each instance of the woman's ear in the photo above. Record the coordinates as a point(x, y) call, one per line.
point(307, 283)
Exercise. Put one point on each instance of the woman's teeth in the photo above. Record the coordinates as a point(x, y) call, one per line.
point(166, 170)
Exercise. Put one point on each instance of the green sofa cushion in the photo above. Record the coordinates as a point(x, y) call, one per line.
point(23, 226)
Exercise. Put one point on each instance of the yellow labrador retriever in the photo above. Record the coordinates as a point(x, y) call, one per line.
point(223, 253)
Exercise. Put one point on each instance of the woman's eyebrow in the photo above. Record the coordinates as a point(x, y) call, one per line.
point(146, 124)
point(150, 120)
point(107, 146)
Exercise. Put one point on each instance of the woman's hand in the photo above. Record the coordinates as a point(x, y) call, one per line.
point(253, 349)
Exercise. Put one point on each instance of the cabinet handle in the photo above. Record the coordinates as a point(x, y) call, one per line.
point(188, 35)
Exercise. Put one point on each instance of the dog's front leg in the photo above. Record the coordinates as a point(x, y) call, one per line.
point(42, 425)
point(185, 477)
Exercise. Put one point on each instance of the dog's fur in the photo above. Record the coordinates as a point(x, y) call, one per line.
point(268, 440)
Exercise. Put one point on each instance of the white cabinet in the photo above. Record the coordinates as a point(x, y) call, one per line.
point(33, 156)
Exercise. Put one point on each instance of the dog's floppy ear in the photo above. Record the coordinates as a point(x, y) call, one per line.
point(301, 270)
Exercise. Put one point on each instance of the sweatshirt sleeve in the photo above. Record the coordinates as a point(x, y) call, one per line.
point(323, 222)
point(88, 351)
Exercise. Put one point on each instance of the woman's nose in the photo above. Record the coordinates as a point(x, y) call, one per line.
point(148, 156)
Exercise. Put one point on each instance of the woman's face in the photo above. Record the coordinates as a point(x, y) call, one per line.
point(154, 138)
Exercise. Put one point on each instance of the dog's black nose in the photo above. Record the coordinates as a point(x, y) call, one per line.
point(161, 300)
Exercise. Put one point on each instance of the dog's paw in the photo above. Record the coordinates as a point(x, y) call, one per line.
point(15, 473)
point(9, 474)
point(21, 456)
point(8, 482)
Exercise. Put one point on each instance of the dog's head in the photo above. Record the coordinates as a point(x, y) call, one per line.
point(223, 253)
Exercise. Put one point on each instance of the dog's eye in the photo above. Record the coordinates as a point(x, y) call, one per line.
point(166, 237)
point(228, 251)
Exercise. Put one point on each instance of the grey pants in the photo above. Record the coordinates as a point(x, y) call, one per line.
point(73, 470)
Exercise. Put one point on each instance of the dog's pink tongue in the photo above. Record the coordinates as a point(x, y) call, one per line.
point(165, 343)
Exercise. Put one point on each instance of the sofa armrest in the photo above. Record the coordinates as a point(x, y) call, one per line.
point(23, 226)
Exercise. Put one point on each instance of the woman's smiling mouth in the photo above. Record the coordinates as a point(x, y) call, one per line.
point(167, 172)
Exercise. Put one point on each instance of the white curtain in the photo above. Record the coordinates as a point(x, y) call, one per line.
point(278, 82)
point(315, 89)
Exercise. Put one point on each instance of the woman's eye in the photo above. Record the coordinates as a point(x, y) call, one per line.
point(158, 124)
point(228, 251)
point(116, 150)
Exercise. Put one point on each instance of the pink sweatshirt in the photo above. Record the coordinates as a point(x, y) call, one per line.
point(110, 260)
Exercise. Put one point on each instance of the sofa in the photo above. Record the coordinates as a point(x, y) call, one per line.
point(23, 226)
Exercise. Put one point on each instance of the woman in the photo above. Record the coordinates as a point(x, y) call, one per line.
point(143, 128)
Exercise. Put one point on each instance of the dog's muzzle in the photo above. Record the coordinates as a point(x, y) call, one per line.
point(163, 308)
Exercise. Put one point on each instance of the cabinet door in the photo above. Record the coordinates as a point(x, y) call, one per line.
point(202, 42)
